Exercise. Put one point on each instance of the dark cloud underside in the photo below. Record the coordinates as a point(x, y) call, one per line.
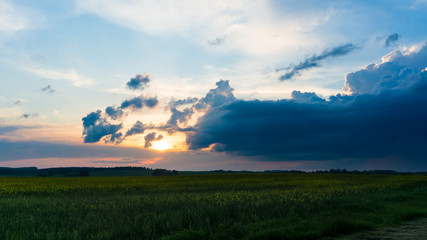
point(384, 115)
point(392, 123)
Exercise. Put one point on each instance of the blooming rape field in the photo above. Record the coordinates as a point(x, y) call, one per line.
point(211, 206)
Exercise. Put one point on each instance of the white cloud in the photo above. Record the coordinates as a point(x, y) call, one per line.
point(70, 75)
point(397, 71)
point(14, 18)
point(252, 27)
point(168, 16)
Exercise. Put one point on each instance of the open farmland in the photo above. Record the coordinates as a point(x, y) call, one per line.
point(215, 206)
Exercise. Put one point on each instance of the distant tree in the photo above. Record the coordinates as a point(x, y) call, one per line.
point(163, 172)
point(84, 173)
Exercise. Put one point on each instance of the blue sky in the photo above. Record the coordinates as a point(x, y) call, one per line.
point(62, 60)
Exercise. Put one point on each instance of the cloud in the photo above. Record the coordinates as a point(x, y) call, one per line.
point(18, 102)
point(47, 90)
point(139, 102)
point(382, 116)
point(123, 161)
point(175, 103)
point(33, 150)
point(218, 96)
point(95, 127)
point(12, 19)
point(372, 122)
point(29, 115)
point(116, 137)
point(69, 75)
point(397, 71)
point(96, 132)
point(139, 81)
point(222, 94)
point(306, 97)
point(98, 125)
point(180, 116)
point(150, 138)
point(391, 40)
point(369, 126)
point(315, 61)
point(137, 128)
point(91, 119)
point(114, 113)
point(8, 129)
point(217, 41)
point(254, 27)
point(164, 17)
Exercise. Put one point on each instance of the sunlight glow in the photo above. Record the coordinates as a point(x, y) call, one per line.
point(161, 145)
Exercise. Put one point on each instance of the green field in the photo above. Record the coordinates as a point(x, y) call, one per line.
point(214, 206)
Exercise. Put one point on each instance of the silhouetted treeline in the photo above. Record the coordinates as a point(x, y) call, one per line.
point(284, 171)
point(144, 171)
point(228, 171)
point(375, 172)
point(76, 171)
point(164, 172)
point(4, 171)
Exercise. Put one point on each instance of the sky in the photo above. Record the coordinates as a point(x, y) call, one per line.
point(203, 85)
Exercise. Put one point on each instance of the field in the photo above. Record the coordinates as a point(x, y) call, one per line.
point(214, 206)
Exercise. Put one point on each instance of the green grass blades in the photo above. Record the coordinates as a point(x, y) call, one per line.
point(215, 206)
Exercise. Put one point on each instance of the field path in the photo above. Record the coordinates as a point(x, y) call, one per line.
point(412, 230)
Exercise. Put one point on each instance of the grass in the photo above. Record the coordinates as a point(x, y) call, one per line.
point(214, 206)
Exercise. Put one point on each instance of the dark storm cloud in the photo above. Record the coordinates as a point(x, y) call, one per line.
point(139, 102)
point(315, 61)
point(139, 81)
point(150, 138)
point(47, 90)
point(385, 115)
point(391, 40)
point(391, 123)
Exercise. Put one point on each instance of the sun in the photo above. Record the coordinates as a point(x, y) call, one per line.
point(161, 145)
